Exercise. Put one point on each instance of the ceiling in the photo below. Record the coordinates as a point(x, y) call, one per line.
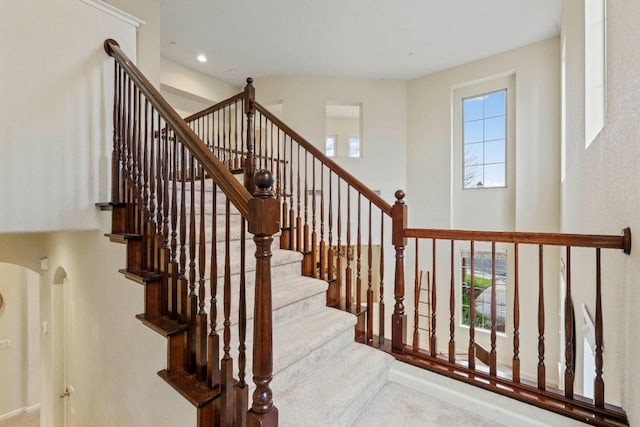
point(388, 39)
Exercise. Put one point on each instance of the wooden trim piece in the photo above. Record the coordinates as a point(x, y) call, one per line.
point(554, 239)
point(215, 107)
point(115, 12)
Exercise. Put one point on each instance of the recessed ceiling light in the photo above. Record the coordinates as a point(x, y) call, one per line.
point(202, 58)
point(232, 71)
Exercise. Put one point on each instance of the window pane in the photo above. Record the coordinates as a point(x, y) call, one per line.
point(494, 151)
point(472, 109)
point(354, 147)
point(494, 128)
point(494, 175)
point(330, 146)
point(494, 104)
point(473, 154)
point(473, 132)
point(473, 176)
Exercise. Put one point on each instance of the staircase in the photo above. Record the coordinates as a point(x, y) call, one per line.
point(264, 285)
point(314, 348)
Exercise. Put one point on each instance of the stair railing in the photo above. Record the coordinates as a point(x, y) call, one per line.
point(470, 269)
point(322, 212)
point(166, 185)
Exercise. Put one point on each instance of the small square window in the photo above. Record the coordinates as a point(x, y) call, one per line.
point(330, 146)
point(354, 146)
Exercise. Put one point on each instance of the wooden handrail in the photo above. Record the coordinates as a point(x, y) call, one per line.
point(554, 239)
point(214, 107)
point(339, 171)
point(234, 190)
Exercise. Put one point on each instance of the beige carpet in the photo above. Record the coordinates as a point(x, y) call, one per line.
point(32, 419)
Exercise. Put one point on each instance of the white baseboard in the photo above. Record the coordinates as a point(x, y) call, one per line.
point(26, 409)
point(489, 405)
point(33, 408)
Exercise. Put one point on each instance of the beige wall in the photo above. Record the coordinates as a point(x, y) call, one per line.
point(189, 89)
point(599, 193)
point(56, 105)
point(531, 201)
point(20, 354)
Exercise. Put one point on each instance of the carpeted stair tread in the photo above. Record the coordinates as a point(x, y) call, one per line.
point(337, 390)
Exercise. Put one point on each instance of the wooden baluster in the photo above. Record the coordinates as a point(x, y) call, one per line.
point(201, 319)
point(115, 153)
point(292, 222)
point(472, 312)
point(399, 318)
point(242, 389)
point(338, 253)
point(492, 353)
point(598, 382)
point(432, 337)
point(134, 154)
point(370, 285)
point(416, 299)
point(516, 317)
point(223, 157)
point(173, 264)
point(192, 299)
point(381, 302)
point(330, 249)
point(226, 365)
point(279, 171)
point(151, 225)
point(348, 272)
point(314, 234)
point(127, 144)
point(452, 307)
point(298, 217)
point(568, 331)
point(165, 255)
point(182, 279)
point(323, 257)
point(541, 367)
point(213, 368)
point(145, 192)
point(285, 239)
point(250, 160)
point(236, 159)
point(159, 198)
point(242, 137)
point(359, 261)
point(305, 234)
point(263, 223)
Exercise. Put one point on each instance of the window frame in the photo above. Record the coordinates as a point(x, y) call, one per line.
point(335, 145)
point(462, 122)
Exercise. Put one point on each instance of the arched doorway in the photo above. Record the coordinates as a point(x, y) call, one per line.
point(20, 351)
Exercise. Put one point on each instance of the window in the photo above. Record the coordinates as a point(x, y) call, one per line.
point(484, 140)
point(330, 146)
point(594, 68)
point(354, 146)
point(482, 285)
point(343, 122)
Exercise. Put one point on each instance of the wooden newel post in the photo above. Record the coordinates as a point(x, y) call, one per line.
point(250, 155)
point(399, 317)
point(264, 222)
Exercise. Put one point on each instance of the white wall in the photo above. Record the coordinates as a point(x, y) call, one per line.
point(600, 195)
point(383, 118)
point(19, 332)
point(56, 104)
point(188, 89)
point(531, 202)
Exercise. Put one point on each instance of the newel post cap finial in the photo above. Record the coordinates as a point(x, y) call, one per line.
point(264, 181)
point(249, 81)
point(107, 46)
point(400, 197)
